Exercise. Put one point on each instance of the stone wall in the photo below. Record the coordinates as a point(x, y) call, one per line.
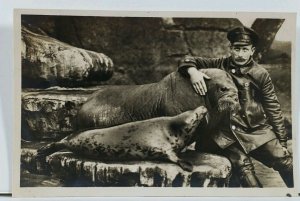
point(143, 49)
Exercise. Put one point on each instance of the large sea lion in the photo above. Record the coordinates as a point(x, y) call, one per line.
point(114, 105)
point(152, 139)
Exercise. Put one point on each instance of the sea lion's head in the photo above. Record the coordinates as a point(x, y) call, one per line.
point(222, 92)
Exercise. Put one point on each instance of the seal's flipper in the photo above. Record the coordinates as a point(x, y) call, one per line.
point(49, 149)
point(185, 165)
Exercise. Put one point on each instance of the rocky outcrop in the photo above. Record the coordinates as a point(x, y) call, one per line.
point(49, 62)
point(209, 170)
point(51, 113)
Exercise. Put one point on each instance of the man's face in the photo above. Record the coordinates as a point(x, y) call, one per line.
point(241, 54)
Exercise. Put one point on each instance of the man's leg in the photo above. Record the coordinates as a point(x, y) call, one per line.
point(243, 166)
point(272, 154)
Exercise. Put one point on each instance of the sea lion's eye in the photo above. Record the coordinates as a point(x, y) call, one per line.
point(224, 89)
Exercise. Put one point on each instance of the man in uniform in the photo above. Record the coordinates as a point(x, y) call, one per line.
point(257, 130)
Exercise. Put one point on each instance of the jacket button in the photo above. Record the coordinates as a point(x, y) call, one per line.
point(186, 60)
point(233, 70)
point(233, 127)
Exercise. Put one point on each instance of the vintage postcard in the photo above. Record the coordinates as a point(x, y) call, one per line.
point(154, 103)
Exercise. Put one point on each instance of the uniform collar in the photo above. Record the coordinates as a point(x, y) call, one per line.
point(242, 68)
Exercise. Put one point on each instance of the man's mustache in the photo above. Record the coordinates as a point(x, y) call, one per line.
point(240, 59)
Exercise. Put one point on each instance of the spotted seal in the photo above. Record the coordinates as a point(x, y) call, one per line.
point(159, 138)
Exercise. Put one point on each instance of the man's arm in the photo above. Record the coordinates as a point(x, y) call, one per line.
point(198, 63)
point(273, 109)
point(188, 67)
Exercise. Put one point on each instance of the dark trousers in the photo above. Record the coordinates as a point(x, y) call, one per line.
point(271, 154)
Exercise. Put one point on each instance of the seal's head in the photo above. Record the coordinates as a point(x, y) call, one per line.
point(194, 117)
point(183, 127)
point(222, 92)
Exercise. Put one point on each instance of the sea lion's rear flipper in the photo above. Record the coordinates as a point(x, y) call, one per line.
point(49, 149)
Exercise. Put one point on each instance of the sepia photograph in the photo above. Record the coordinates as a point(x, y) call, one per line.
point(180, 100)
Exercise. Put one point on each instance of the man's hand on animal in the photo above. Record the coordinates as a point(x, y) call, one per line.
point(198, 80)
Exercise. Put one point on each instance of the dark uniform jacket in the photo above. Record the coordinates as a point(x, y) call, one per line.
point(260, 119)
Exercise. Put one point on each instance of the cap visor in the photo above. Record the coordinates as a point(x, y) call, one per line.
point(241, 43)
